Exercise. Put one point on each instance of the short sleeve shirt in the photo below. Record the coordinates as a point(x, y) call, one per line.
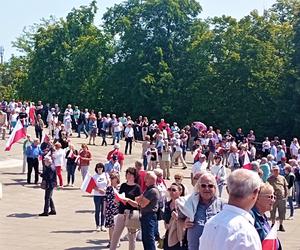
point(151, 194)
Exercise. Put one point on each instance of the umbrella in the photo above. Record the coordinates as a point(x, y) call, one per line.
point(200, 125)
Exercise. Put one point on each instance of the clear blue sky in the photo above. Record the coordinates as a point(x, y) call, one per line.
point(16, 14)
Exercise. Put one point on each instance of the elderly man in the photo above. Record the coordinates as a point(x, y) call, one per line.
point(33, 152)
point(3, 123)
point(280, 186)
point(233, 228)
point(197, 208)
point(264, 203)
point(148, 203)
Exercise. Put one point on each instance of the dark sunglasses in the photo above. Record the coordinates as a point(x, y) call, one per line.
point(271, 197)
point(207, 185)
point(172, 190)
point(177, 178)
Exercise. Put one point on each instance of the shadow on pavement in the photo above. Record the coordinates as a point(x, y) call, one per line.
point(16, 182)
point(9, 173)
point(21, 215)
point(85, 248)
point(73, 231)
point(84, 211)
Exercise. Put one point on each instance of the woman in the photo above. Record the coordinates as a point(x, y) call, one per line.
point(171, 239)
point(195, 210)
point(39, 126)
point(131, 191)
point(71, 157)
point(264, 203)
point(102, 181)
point(165, 162)
point(145, 125)
point(85, 157)
point(58, 157)
point(290, 178)
point(49, 180)
point(219, 172)
point(111, 209)
point(145, 147)
point(92, 125)
point(233, 158)
point(129, 133)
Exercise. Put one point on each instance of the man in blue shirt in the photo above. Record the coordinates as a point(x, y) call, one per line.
point(113, 165)
point(33, 152)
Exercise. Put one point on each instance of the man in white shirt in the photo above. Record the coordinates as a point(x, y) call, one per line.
point(233, 228)
point(199, 166)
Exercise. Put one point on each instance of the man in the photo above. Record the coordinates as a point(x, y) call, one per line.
point(112, 166)
point(148, 203)
point(198, 166)
point(198, 207)
point(116, 151)
point(233, 227)
point(33, 152)
point(294, 148)
point(239, 136)
point(81, 125)
point(3, 123)
point(280, 185)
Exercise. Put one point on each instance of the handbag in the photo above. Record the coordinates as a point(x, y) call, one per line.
point(43, 184)
point(132, 220)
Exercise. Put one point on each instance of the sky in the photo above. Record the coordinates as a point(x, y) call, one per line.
point(17, 14)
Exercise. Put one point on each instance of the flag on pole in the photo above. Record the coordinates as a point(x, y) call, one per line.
point(270, 242)
point(17, 134)
point(119, 197)
point(88, 184)
point(247, 164)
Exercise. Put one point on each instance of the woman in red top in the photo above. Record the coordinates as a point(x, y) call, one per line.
point(85, 157)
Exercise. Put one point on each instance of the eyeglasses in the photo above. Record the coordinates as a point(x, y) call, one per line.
point(270, 197)
point(207, 186)
point(172, 190)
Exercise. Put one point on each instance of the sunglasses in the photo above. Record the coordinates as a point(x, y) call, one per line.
point(177, 178)
point(207, 186)
point(270, 197)
point(172, 190)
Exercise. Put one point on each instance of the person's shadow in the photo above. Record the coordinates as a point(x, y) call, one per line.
point(21, 215)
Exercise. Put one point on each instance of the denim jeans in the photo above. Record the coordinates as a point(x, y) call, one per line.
point(148, 226)
point(291, 205)
point(117, 136)
point(71, 172)
point(99, 207)
point(297, 187)
point(80, 127)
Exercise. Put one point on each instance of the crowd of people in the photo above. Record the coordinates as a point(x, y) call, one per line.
point(257, 182)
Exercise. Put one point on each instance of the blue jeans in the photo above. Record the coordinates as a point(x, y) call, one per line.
point(148, 226)
point(117, 136)
point(145, 162)
point(291, 205)
point(80, 127)
point(71, 167)
point(99, 207)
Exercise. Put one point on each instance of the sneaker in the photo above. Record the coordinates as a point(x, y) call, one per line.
point(281, 228)
point(290, 218)
point(52, 213)
point(184, 168)
point(72, 185)
point(43, 214)
point(103, 229)
point(98, 229)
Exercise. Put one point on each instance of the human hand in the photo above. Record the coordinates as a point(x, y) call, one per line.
point(188, 223)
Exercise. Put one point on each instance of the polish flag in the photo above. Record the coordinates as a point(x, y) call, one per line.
point(270, 242)
point(119, 197)
point(17, 134)
point(247, 164)
point(88, 184)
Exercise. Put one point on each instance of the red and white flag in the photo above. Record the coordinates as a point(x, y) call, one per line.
point(247, 164)
point(270, 242)
point(17, 134)
point(119, 197)
point(88, 184)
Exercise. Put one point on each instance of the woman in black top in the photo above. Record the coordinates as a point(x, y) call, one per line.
point(131, 191)
point(71, 157)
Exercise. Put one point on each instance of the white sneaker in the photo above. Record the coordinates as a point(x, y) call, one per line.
point(103, 229)
point(290, 218)
point(98, 229)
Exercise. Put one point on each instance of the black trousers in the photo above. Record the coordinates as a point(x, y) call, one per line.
point(128, 143)
point(33, 163)
point(48, 201)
